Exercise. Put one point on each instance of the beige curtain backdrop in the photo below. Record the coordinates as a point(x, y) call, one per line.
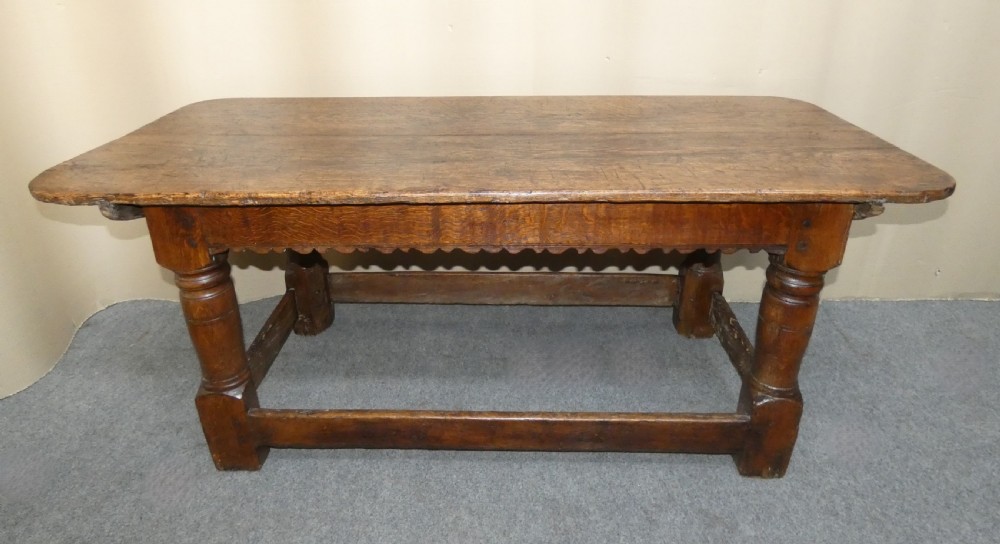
point(925, 75)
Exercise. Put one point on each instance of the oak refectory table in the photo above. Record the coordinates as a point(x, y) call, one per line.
point(696, 175)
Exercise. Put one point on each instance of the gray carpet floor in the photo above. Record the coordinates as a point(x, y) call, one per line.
point(900, 441)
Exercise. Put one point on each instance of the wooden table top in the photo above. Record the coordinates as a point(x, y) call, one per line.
point(274, 151)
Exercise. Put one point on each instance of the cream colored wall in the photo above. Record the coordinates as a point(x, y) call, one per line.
point(73, 74)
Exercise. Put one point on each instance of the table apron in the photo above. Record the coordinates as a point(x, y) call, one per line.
point(513, 227)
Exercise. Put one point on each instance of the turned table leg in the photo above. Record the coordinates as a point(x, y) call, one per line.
point(770, 395)
point(306, 277)
point(227, 393)
point(700, 277)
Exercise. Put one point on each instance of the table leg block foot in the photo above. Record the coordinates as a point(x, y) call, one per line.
point(773, 429)
point(228, 431)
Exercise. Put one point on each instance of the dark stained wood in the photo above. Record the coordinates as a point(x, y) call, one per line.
point(208, 300)
point(306, 278)
point(771, 395)
point(700, 278)
point(787, 312)
point(534, 288)
point(522, 431)
point(272, 336)
point(227, 392)
point(817, 237)
point(699, 175)
point(731, 335)
point(259, 151)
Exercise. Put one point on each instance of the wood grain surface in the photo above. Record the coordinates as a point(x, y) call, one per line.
point(273, 151)
point(517, 431)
